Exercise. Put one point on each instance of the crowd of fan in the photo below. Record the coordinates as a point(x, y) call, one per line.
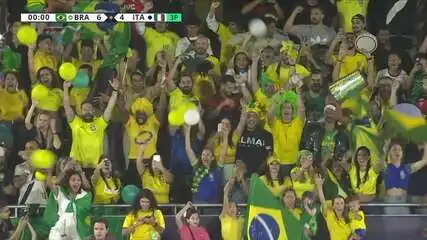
point(263, 111)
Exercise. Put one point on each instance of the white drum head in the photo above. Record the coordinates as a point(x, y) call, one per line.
point(366, 43)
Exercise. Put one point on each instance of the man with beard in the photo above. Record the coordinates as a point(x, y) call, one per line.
point(138, 88)
point(186, 44)
point(200, 53)
point(326, 140)
point(255, 143)
point(142, 126)
point(314, 97)
point(316, 32)
point(87, 130)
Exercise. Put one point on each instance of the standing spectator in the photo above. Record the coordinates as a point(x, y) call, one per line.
point(31, 190)
point(275, 177)
point(106, 184)
point(258, 8)
point(347, 9)
point(186, 45)
point(13, 100)
point(145, 221)
point(232, 223)
point(6, 227)
point(88, 130)
point(101, 230)
point(72, 203)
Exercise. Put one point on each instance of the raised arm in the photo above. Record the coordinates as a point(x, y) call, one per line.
point(254, 72)
point(415, 167)
point(69, 112)
point(201, 129)
point(112, 101)
point(271, 114)
point(31, 70)
point(334, 44)
point(97, 173)
point(211, 21)
point(166, 173)
point(57, 143)
point(319, 187)
point(250, 6)
point(290, 22)
point(140, 167)
point(170, 84)
point(300, 95)
point(188, 148)
point(180, 215)
point(242, 123)
point(226, 201)
point(28, 124)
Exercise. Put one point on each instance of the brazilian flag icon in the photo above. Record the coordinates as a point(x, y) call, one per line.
point(61, 17)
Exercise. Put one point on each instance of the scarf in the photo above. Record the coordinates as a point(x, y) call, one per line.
point(200, 173)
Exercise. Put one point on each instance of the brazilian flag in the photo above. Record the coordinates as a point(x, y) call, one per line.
point(267, 218)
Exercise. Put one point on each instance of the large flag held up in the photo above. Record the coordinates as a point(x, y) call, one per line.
point(267, 218)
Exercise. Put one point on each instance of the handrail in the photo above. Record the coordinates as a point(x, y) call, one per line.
point(204, 206)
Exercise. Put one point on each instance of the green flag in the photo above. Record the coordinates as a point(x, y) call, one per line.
point(267, 218)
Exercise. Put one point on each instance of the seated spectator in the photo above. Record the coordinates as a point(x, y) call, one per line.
point(101, 230)
point(144, 221)
point(188, 223)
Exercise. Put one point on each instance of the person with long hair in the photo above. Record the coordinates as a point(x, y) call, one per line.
point(336, 215)
point(303, 174)
point(13, 100)
point(275, 178)
point(105, 182)
point(397, 175)
point(144, 221)
point(289, 201)
point(207, 178)
point(223, 140)
point(363, 174)
point(44, 128)
point(155, 177)
point(73, 203)
point(231, 221)
point(188, 223)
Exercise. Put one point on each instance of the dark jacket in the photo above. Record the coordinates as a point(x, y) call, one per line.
point(312, 140)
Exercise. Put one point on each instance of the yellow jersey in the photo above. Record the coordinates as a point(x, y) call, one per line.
point(230, 155)
point(338, 228)
point(177, 97)
point(286, 137)
point(134, 130)
point(303, 186)
point(144, 231)
point(366, 188)
point(347, 9)
point(351, 64)
point(12, 105)
point(227, 50)
point(356, 224)
point(157, 185)
point(106, 192)
point(156, 42)
point(277, 189)
point(42, 59)
point(53, 101)
point(88, 140)
point(285, 73)
point(77, 97)
point(231, 227)
point(95, 64)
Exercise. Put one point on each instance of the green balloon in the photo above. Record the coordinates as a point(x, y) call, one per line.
point(129, 193)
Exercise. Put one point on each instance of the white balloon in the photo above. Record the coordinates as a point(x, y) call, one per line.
point(257, 27)
point(192, 117)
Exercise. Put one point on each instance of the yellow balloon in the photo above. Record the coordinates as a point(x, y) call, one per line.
point(39, 92)
point(67, 71)
point(40, 176)
point(176, 118)
point(44, 159)
point(27, 35)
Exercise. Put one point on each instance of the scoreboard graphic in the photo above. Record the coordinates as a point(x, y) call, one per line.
point(100, 17)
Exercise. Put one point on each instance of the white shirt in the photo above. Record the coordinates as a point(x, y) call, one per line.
point(184, 43)
point(385, 73)
point(37, 195)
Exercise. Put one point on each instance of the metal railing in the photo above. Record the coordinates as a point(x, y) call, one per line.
point(206, 209)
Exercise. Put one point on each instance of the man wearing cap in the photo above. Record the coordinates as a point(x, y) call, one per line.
point(358, 24)
point(326, 140)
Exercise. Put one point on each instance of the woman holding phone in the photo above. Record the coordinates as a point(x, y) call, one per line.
point(154, 176)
